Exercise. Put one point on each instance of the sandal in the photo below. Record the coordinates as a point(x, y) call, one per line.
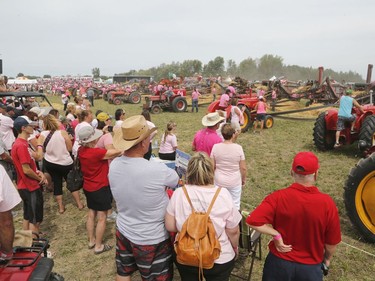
point(91, 246)
point(106, 248)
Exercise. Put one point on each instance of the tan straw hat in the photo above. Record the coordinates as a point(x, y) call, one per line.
point(211, 119)
point(133, 130)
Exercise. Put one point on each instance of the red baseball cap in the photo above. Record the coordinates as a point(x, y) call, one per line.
point(305, 163)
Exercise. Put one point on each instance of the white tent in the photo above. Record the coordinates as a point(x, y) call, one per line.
point(22, 81)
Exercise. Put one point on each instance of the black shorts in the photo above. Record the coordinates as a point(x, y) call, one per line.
point(100, 200)
point(168, 156)
point(32, 205)
point(261, 117)
point(150, 260)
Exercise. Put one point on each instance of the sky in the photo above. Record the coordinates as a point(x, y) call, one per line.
point(71, 37)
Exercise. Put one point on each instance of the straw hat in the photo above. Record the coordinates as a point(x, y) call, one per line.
point(23, 238)
point(211, 119)
point(133, 130)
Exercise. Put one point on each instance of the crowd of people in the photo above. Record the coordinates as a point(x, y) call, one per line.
point(37, 151)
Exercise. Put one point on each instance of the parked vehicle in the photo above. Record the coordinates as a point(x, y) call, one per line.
point(30, 264)
point(21, 99)
point(120, 96)
point(176, 101)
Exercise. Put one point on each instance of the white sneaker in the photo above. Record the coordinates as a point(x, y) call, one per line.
point(112, 216)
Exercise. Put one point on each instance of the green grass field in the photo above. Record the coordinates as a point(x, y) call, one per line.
point(268, 155)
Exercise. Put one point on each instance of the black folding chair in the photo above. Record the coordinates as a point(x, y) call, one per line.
point(250, 240)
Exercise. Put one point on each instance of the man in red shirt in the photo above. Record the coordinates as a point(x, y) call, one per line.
point(205, 138)
point(304, 224)
point(29, 180)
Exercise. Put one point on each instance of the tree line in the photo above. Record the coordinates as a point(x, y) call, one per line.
point(250, 69)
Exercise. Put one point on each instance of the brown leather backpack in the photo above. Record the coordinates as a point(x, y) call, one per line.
point(197, 244)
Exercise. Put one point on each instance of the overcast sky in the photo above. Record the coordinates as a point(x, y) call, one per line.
point(60, 37)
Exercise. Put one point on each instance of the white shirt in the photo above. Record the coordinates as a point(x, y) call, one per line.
point(9, 197)
point(6, 127)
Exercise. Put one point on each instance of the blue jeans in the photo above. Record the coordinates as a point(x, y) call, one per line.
point(194, 104)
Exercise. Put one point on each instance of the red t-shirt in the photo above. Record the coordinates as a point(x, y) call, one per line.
point(21, 155)
point(94, 168)
point(306, 218)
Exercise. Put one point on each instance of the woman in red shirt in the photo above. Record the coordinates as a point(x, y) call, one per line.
point(94, 167)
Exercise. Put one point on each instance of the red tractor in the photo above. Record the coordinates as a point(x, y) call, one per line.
point(120, 96)
point(173, 100)
point(364, 128)
point(247, 103)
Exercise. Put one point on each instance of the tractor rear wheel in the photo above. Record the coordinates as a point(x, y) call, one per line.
point(359, 197)
point(179, 104)
point(117, 101)
point(324, 139)
point(268, 122)
point(367, 131)
point(246, 118)
point(135, 98)
point(156, 109)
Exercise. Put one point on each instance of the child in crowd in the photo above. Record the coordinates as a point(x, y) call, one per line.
point(194, 100)
point(168, 144)
point(261, 109)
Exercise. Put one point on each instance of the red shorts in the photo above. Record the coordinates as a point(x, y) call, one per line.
point(154, 262)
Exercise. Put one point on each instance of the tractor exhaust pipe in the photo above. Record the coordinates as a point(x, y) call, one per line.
point(369, 73)
point(371, 92)
point(320, 74)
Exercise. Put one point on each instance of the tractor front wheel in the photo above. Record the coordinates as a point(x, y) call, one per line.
point(268, 122)
point(367, 131)
point(179, 104)
point(324, 139)
point(135, 98)
point(359, 197)
point(246, 118)
point(156, 109)
point(117, 101)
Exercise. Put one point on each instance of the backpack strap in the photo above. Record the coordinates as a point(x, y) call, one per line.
point(188, 198)
point(213, 201)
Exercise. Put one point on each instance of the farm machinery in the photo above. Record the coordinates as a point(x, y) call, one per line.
point(119, 96)
point(326, 125)
point(247, 103)
point(172, 100)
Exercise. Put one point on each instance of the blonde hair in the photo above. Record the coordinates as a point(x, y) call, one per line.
point(70, 108)
point(200, 170)
point(50, 123)
point(169, 129)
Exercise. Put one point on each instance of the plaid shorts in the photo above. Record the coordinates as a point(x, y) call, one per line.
point(342, 120)
point(154, 262)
